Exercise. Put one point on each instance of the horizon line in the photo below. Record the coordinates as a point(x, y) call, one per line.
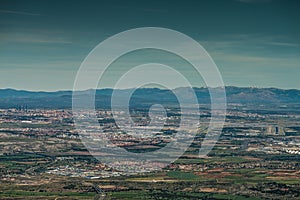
point(108, 88)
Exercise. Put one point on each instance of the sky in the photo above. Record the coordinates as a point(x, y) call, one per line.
point(254, 43)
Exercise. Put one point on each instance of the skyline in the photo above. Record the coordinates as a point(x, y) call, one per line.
point(253, 43)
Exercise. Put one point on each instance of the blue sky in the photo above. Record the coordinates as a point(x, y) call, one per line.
point(253, 42)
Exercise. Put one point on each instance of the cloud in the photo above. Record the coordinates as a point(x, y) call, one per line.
point(256, 49)
point(19, 13)
point(254, 1)
point(286, 44)
point(255, 42)
point(33, 38)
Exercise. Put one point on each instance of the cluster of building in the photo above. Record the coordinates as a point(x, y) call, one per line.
point(243, 131)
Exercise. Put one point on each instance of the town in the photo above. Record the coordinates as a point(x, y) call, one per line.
point(256, 156)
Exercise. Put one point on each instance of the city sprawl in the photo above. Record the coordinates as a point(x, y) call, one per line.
point(256, 157)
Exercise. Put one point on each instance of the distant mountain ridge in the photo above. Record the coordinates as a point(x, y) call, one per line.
point(10, 98)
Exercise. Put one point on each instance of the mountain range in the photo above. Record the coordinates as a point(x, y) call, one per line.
point(11, 98)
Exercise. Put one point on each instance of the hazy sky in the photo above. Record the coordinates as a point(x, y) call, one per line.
point(253, 42)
